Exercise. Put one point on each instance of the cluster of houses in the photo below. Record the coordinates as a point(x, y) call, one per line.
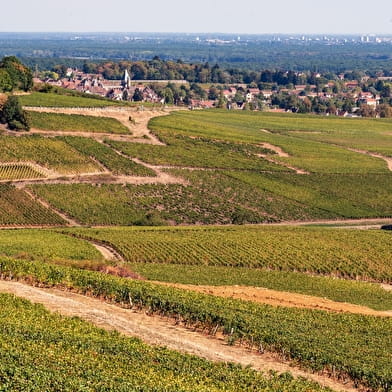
point(235, 96)
point(96, 84)
point(255, 95)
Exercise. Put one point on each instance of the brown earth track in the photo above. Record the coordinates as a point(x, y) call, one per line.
point(279, 152)
point(138, 128)
point(388, 160)
point(160, 331)
point(279, 298)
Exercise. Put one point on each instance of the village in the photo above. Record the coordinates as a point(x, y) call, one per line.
point(346, 98)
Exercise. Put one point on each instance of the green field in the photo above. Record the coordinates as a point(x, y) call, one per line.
point(200, 203)
point(358, 346)
point(76, 123)
point(17, 208)
point(226, 197)
point(340, 290)
point(57, 100)
point(51, 153)
point(204, 153)
point(336, 252)
point(305, 152)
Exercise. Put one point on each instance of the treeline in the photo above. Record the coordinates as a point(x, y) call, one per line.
point(158, 69)
point(320, 105)
point(247, 54)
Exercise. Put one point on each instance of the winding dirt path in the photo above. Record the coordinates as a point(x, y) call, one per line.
point(276, 149)
point(388, 160)
point(156, 330)
point(105, 251)
point(138, 128)
point(288, 166)
point(280, 298)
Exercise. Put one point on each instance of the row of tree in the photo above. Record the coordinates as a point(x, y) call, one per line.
point(158, 69)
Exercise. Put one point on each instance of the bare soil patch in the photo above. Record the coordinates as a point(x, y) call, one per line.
point(276, 149)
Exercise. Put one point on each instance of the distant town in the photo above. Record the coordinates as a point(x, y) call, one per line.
point(366, 97)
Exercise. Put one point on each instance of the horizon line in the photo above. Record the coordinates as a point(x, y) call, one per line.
point(196, 32)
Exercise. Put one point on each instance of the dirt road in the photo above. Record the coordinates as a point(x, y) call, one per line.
point(280, 298)
point(158, 331)
point(138, 126)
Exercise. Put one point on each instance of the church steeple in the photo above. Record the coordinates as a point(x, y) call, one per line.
point(127, 79)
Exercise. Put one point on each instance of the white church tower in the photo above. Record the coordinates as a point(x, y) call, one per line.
point(126, 80)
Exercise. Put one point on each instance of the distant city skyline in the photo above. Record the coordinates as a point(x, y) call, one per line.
point(224, 16)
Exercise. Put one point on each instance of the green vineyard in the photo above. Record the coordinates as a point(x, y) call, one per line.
point(371, 295)
point(323, 251)
point(33, 244)
point(14, 171)
point(315, 155)
point(17, 208)
point(76, 123)
point(91, 359)
point(51, 153)
point(116, 163)
point(346, 344)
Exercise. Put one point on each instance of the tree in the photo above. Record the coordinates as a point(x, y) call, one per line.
point(384, 110)
point(366, 111)
point(5, 81)
point(21, 76)
point(13, 115)
point(137, 95)
point(125, 95)
point(168, 96)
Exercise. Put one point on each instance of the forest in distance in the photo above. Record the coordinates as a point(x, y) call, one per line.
point(323, 54)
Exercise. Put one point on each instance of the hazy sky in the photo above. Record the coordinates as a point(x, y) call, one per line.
point(230, 16)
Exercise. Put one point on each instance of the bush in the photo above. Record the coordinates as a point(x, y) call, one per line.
point(13, 115)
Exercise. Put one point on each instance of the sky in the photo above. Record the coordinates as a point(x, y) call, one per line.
point(225, 16)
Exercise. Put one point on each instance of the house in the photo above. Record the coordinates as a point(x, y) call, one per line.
point(266, 93)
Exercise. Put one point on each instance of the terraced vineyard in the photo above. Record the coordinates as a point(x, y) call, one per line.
point(14, 171)
point(334, 252)
point(205, 153)
point(248, 198)
point(304, 153)
point(51, 153)
point(75, 122)
point(213, 167)
point(17, 208)
point(116, 163)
